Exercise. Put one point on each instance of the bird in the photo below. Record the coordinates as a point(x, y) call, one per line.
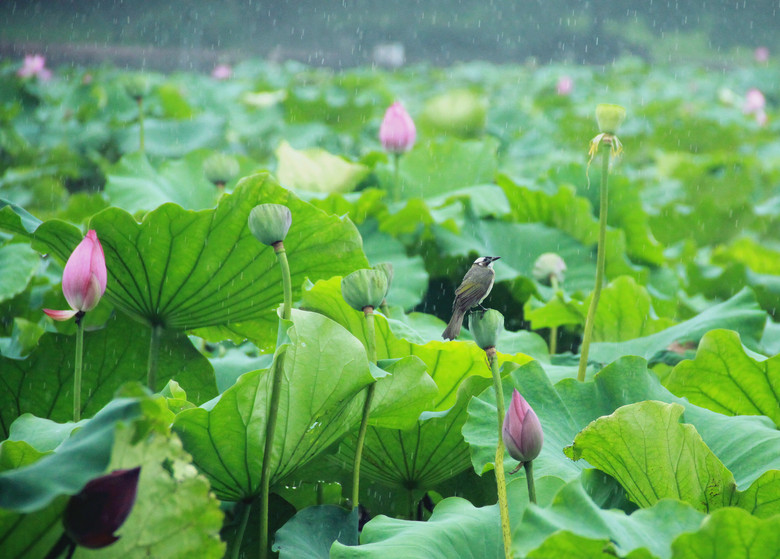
point(476, 285)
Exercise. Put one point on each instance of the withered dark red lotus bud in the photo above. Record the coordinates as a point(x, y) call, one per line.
point(93, 515)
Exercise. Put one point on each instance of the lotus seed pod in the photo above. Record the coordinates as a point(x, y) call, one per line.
point(364, 288)
point(486, 327)
point(269, 223)
point(549, 265)
point(387, 268)
point(220, 168)
point(522, 431)
point(609, 117)
point(137, 86)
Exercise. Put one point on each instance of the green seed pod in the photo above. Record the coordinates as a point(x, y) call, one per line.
point(609, 117)
point(137, 86)
point(486, 327)
point(364, 288)
point(387, 268)
point(269, 223)
point(220, 168)
point(549, 265)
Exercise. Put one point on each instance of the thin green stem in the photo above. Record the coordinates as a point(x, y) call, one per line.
point(141, 123)
point(600, 259)
point(154, 351)
point(529, 479)
point(396, 177)
point(371, 350)
point(273, 404)
point(554, 329)
point(503, 503)
point(236, 550)
point(78, 367)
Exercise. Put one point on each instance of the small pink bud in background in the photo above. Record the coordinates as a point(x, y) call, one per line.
point(84, 278)
point(93, 515)
point(34, 65)
point(397, 132)
point(222, 72)
point(761, 118)
point(565, 85)
point(754, 101)
point(522, 432)
point(761, 54)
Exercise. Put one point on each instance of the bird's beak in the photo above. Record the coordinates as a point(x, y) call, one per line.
point(494, 258)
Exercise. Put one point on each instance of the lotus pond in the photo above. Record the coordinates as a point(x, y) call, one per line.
point(245, 414)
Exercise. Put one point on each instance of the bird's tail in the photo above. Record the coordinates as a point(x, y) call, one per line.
point(453, 328)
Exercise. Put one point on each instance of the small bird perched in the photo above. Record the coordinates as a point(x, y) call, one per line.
point(476, 285)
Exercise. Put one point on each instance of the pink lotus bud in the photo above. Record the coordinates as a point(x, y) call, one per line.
point(93, 515)
point(397, 132)
point(761, 54)
point(565, 85)
point(761, 118)
point(34, 65)
point(754, 101)
point(84, 278)
point(522, 432)
point(222, 72)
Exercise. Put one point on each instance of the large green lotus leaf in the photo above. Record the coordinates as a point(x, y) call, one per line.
point(325, 368)
point(316, 170)
point(730, 533)
point(740, 313)
point(403, 394)
point(191, 270)
point(42, 384)
point(18, 263)
point(133, 184)
point(43, 434)
point(458, 529)
point(31, 536)
point(646, 449)
point(436, 167)
point(746, 445)
point(15, 219)
point(448, 363)
point(312, 531)
point(174, 138)
point(81, 457)
point(726, 378)
point(175, 514)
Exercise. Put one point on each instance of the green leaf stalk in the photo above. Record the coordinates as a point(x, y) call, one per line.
point(368, 312)
point(78, 367)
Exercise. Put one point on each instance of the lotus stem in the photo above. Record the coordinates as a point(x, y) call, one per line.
point(78, 367)
point(554, 329)
point(503, 503)
point(371, 350)
point(273, 405)
point(235, 552)
point(396, 177)
point(529, 478)
point(600, 260)
point(154, 351)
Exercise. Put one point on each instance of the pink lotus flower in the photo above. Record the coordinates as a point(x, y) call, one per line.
point(34, 65)
point(397, 132)
point(565, 85)
point(761, 54)
point(754, 101)
point(93, 515)
point(222, 72)
point(84, 278)
point(522, 432)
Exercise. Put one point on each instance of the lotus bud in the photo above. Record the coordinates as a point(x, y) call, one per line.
point(220, 168)
point(522, 432)
point(486, 327)
point(364, 288)
point(397, 131)
point(548, 266)
point(83, 279)
point(609, 117)
point(269, 223)
point(93, 515)
point(565, 85)
point(137, 86)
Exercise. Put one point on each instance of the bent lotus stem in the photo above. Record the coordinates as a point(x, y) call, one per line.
point(78, 367)
point(503, 503)
point(273, 405)
point(600, 262)
point(371, 350)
